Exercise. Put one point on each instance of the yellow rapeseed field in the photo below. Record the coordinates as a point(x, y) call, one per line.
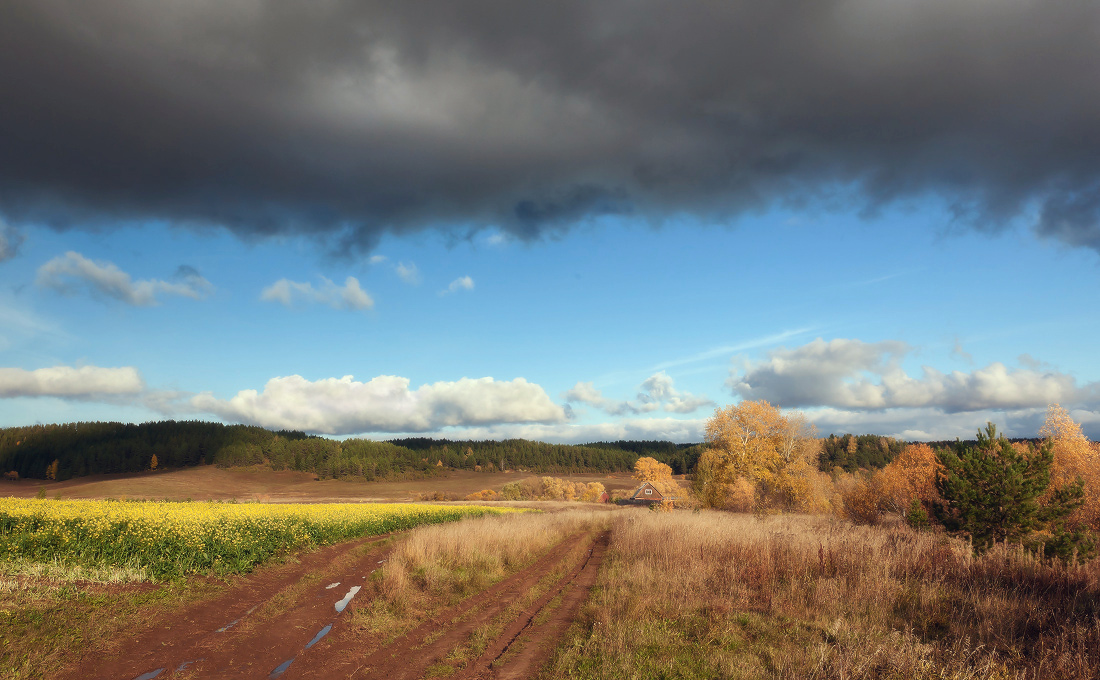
point(173, 539)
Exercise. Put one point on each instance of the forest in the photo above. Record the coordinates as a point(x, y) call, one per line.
point(77, 449)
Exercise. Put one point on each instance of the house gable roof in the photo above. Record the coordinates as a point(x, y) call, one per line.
point(640, 494)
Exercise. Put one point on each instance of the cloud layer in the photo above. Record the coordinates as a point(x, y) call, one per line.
point(67, 272)
point(10, 240)
point(850, 374)
point(349, 296)
point(656, 392)
point(383, 404)
point(354, 119)
point(67, 382)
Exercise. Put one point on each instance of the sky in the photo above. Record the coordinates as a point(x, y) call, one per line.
point(573, 222)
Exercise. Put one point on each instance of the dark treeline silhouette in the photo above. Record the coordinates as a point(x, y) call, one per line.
point(78, 449)
point(511, 454)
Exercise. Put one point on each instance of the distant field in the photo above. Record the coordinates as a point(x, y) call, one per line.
point(247, 484)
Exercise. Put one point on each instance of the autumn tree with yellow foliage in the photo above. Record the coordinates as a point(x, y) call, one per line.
point(909, 477)
point(752, 444)
point(1075, 457)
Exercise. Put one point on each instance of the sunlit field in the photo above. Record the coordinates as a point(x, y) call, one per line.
point(166, 539)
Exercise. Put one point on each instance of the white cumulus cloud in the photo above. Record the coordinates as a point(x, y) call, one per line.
point(656, 392)
point(348, 296)
point(408, 272)
point(65, 272)
point(383, 404)
point(461, 283)
point(851, 374)
point(68, 382)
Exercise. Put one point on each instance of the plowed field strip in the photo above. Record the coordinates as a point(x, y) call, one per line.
point(410, 655)
point(187, 635)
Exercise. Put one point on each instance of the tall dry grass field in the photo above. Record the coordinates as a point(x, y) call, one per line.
point(716, 595)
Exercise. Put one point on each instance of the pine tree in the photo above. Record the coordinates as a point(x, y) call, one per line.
point(990, 492)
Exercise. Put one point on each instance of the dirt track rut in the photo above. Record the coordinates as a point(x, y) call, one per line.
point(282, 624)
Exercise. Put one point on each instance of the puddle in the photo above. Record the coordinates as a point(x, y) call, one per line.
point(183, 666)
point(320, 634)
point(150, 675)
point(347, 598)
point(281, 668)
point(235, 621)
point(332, 585)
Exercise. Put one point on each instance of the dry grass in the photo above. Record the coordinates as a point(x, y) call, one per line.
point(438, 566)
point(60, 572)
point(714, 595)
point(208, 482)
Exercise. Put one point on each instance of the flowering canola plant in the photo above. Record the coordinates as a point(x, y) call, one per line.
point(174, 539)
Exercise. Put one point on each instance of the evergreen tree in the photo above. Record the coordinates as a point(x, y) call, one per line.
point(990, 492)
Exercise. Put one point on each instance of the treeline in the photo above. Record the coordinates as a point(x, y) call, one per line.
point(514, 454)
point(78, 449)
point(857, 452)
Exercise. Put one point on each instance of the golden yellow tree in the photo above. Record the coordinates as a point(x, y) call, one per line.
point(153, 462)
point(648, 469)
point(1074, 456)
point(51, 469)
point(745, 438)
point(753, 441)
point(911, 476)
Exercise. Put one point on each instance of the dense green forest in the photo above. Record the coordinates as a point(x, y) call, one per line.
point(94, 448)
point(853, 452)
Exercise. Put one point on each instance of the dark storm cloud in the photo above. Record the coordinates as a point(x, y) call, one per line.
point(355, 118)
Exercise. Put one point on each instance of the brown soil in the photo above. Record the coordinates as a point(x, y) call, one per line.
point(246, 631)
point(528, 642)
point(208, 482)
point(267, 618)
point(412, 655)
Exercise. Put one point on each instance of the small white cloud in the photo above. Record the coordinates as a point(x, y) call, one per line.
point(377, 259)
point(461, 283)
point(383, 404)
point(348, 296)
point(67, 382)
point(958, 352)
point(62, 273)
point(408, 272)
point(657, 392)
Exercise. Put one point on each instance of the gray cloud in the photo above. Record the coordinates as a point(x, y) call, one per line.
point(851, 374)
point(63, 272)
point(353, 119)
point(10, 240)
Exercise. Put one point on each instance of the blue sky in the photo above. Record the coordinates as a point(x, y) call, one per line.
point(577, 221)
point(611, 303)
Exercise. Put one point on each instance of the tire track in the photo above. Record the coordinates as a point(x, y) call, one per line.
point(410, 655)
point(532, 643)
point(192, 638)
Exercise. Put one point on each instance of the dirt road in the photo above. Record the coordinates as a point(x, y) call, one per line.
point(290, 622)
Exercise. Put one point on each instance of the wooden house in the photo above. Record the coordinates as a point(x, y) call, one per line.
point(646, 495)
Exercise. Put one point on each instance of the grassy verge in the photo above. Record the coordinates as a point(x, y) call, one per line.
point(44, 623)
point(714, 595)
